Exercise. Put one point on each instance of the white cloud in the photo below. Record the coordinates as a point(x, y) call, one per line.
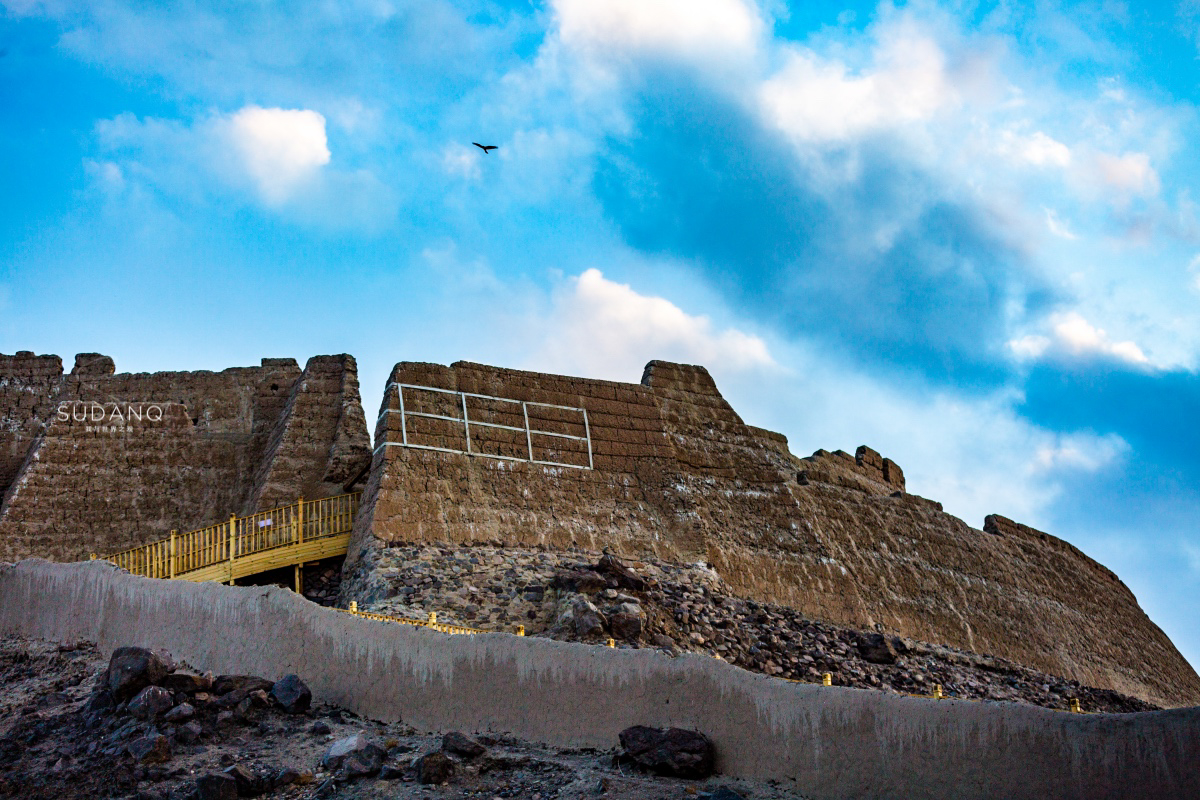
point(814, 99)
point(1037, 149)
point(687, 28)
point(1057, 226)
point(278, 158)
point(280, 149)
point(607, 329)
point(1073, 335)
point(1079, 451)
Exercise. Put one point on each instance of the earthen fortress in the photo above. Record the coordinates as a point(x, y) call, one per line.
point(664, 468)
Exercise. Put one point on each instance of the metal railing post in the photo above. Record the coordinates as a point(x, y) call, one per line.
point(403, 425)
point(528, 435)
point(171, 556)
point(232, 544)
point(466, 423)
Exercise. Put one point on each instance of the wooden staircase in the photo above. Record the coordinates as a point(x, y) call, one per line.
point(307, 530)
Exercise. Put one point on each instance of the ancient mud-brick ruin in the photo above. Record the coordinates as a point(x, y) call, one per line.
point(94, 462)
point(666, 468)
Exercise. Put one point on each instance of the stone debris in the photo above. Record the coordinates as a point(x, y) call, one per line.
point(460, 744)
point(57, 742)
point(575, 596)
point(674, 752)
point(291, 693)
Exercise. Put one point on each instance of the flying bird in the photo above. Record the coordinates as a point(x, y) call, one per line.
point(485, 147)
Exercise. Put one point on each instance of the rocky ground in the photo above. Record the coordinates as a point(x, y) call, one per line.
point(75, 724)
point(675, 607)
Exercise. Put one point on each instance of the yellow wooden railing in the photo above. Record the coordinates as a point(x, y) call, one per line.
point(307, 530)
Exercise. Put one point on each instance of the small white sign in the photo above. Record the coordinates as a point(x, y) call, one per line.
point(262, 523)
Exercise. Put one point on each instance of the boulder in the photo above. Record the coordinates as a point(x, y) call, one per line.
point(180, 713)
point(583, 618)
point(286, 777)
point(187, 682)
point(189, 733)
point(434, 768)
point(247, 782)
point(216, 787)
point(132, 669)
point(876, 648)
point(152, 749)
point(151, 703)
point(674, 752)
point(628, 622)
point(292, 695)
point(462, 745)
point(625, 577)
point(354, 756)
point(224, 684)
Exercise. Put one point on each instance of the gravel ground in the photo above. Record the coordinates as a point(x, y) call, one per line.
point(55, 743)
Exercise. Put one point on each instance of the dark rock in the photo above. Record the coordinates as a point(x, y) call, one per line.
point(582, 581)
point(319, 728)
point(187, 682)
point(248, 783)
point(180, 713)
point(586, 618)
point(353, 756)
point(151, 703)
point(673, 752)
point(233, 698)
point(876, 648)
point(152, 749)
point(625, 577)
point(462, 745)
point(99, 702)
point(391, 772)
point(434, 768)
point(132, 669)
point(216, 787)
point(223, 684)
point(189, 733)
point(285, 777)
point(292, 695)
point(626, 625)
point(259, 698)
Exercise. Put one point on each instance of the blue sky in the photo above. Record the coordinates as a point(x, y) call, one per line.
point(963, 233)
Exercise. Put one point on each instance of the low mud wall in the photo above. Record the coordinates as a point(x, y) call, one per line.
point(823, 742)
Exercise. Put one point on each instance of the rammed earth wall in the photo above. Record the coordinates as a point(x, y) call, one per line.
point(94, 462)
point(824, 743)
point(678, 475)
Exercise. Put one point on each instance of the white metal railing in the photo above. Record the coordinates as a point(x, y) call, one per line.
point(468, 423)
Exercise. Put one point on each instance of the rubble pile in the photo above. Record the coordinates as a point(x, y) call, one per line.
point(688, 608)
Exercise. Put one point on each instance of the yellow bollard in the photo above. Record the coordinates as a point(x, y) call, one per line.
point(93, 556)
point(520, 630)
point(937, 691)
point(433, 618)
point(612, 642)
point(1074, 705)
point(827, 679)
point(354, 605)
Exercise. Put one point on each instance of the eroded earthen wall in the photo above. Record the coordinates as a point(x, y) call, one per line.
point(95, 461)
point(677, 474)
